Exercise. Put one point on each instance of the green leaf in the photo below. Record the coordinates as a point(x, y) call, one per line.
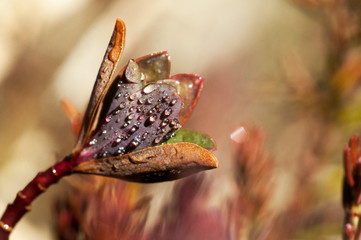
point(198, 138)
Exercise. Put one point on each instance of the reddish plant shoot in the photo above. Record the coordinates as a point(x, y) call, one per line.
point(351, 197)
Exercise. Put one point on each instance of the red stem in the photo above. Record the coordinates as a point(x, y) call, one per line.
point(21, 205)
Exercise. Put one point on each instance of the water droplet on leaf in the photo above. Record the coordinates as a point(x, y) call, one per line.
point(149, 88)
point(174, 101)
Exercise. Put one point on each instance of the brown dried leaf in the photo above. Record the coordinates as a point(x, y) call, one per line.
point(153, 164)
point(106, 71)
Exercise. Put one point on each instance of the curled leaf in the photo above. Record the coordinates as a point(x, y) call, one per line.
point(184, 135)
point(105, 73)
point(153, 164)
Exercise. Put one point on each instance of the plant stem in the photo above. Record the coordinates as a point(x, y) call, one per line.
point(21, 205)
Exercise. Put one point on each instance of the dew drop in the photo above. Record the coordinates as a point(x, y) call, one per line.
point(118, 120)
point(144, 136)
point(157, 140)
point(141, 101)
point(119, 95)
point(129, 117)
point(118, 140)
point(122, 105)
point(125, 125)
point(138, 138)
point(133, 129)
point(116, 112)
point(152, 118)
point(164, 123)
point(167, 113)
point(139, 109)
point(105, 154)
point(104, 132)
point(174, 101)
point(141, 117)
point(149, 88)
point(120, 150)
point(134, 143)
point(92, 142)
point(132, 97)
point(173, 122)
point(149, 101)
point(165, 99)
point(108, 118)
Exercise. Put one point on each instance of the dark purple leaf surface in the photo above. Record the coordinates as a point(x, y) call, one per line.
point(189, 87)
point(136, 120)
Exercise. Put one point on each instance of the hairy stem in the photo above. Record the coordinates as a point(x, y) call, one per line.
point(21, 205)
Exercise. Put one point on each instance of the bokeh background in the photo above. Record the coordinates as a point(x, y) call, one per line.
point(277, 66)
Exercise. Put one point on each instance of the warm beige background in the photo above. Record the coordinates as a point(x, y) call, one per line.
point(52, 49)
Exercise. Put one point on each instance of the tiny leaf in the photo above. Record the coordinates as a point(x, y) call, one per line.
point(154, 66)
point(198, 138)
point(153, 164)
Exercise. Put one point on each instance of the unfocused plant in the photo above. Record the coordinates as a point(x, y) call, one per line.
point(255, 184)
point(351, 196)
point(126, 127)
point(101, 208)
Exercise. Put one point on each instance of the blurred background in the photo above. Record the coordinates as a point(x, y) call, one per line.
point(287, 70)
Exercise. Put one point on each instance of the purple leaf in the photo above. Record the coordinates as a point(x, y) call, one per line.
point(136, 120)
